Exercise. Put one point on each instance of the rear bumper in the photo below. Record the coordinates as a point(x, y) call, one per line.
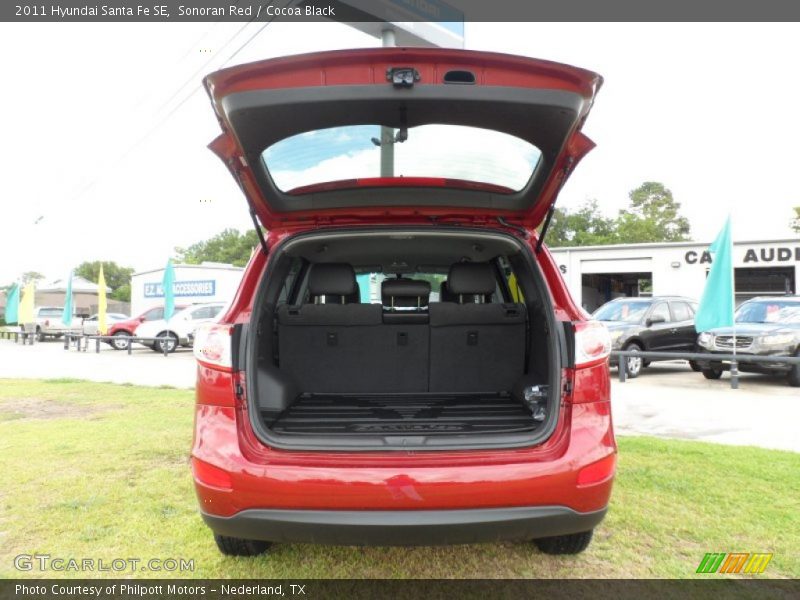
point(404, 528)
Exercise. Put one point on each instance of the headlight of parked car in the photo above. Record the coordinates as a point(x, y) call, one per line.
point(616, 336)
point(777, 339)
point(705, 339)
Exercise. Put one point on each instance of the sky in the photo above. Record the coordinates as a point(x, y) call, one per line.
point(104, 149)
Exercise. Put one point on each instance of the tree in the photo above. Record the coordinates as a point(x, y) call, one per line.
point(228, 246)
point(795, 224)
point(586, 226)
point(117, 278)
point(653, 216)
point(29, 276)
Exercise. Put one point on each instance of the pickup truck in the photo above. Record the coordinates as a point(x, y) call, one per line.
point(47, 323)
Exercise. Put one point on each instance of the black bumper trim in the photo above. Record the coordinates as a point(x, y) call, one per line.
point(403, 528)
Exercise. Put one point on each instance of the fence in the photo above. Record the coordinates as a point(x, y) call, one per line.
point(83, 340)
point(734, 360)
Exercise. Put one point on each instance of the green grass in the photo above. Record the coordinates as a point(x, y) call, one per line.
point(101, 471)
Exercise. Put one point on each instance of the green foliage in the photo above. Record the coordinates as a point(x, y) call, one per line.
point(29, 276)
point(586, 226)
point(652, 216)
point(795, 224)
point(117, 278)
point(229, 247)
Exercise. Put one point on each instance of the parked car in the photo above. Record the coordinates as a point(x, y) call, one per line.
point(327, 419)
point(180, 328)
point(90, 324)
point(127, 328)
point(47, 323)
point(652, 324)
point(765, 326)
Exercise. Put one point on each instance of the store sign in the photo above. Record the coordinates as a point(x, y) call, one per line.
point(205, 287)
point(751, 255)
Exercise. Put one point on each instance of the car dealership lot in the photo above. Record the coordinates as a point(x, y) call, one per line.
point(667, 400)
point(670, 400)
point(47, 360)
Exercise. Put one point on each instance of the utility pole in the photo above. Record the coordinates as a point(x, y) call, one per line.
point(387, 133)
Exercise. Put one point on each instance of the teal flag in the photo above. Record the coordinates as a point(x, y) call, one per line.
point(12, 305)
point(66, 316)
point(168, 283)
point(716, 305)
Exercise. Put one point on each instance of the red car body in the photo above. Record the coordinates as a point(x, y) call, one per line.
point(235, 472)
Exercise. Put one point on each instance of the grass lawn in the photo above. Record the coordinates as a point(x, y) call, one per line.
point(100, 471)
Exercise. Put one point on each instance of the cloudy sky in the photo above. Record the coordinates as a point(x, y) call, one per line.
point(105, 130)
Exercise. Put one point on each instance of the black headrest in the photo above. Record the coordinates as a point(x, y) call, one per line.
point(332, 279)
point(445, 295)
point(405, 292)
point(471, 278)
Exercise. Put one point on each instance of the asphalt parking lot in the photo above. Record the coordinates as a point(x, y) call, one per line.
point(667, 400)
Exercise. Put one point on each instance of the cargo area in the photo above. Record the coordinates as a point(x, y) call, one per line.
point(419, 339)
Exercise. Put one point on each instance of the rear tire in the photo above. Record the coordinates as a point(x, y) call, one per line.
point(635, 364)
point(120, 340)
point(168, 339)
point(794, 373)
point(712, 373)
point(231, 546)
point(694, 366)
point(574, 543)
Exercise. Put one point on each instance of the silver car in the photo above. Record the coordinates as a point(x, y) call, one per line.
point(90, 324)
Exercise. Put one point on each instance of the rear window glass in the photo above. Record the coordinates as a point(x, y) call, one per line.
point(456, 152)
point(51, 312)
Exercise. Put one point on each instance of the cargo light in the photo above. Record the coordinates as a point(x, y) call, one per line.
point(592, 343)
point(212, 344)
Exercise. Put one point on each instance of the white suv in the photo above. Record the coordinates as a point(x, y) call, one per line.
point(180, 328)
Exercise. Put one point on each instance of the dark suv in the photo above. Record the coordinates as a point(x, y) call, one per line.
point(658, 323)
point(402, 363)
point(765, 327)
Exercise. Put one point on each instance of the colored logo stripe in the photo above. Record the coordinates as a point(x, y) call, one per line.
point(734, 562)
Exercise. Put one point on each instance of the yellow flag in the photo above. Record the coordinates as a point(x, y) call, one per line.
point(102, 327)
point(27, 303)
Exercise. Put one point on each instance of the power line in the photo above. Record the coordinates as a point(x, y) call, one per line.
point(166, 117)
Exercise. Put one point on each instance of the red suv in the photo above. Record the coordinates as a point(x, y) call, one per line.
point(402, 363)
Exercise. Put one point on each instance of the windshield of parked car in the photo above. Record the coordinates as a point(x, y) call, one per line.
point(769, 311)
point(631, 311)
point(349, 153)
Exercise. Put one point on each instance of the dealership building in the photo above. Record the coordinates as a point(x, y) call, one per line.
point(597, 274)
point(206, 282)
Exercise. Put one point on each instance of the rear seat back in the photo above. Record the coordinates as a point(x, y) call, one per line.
point(346, 348)
point(475, 347)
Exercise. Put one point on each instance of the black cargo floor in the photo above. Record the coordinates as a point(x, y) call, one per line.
point(423, 414)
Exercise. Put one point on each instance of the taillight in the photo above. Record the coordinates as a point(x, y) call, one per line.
point(47, 322)
point(211, 476)
point(597, 472)
point(592, 343)
point(212, 344)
